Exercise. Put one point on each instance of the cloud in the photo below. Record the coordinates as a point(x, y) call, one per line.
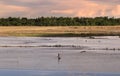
point(116, 10)
point(11, 10)
point(113, 2)
point(63, 11)
point(72, 8)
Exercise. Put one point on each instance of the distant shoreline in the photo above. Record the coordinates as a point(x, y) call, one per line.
point(59, 31)
point(60, 21)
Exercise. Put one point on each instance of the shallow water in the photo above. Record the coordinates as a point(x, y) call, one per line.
point(81, 55)
point(51, 73)
point(99, 42)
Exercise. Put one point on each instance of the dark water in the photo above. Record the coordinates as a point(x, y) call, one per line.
point(51, 73)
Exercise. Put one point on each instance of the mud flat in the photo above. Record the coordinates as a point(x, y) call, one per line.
point(80, 54)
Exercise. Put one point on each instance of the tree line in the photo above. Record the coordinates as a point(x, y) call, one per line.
point(59, 21)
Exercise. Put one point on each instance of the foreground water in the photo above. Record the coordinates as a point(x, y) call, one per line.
point(51, 73)
point(38, 55)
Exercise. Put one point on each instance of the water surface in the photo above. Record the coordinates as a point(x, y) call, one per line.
point(21, 55)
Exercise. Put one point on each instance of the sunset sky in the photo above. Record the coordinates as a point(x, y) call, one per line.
point(70, 8)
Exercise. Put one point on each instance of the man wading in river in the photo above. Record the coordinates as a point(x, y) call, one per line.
point(59, 57)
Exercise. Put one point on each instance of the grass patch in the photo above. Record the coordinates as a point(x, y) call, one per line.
point(59, 31)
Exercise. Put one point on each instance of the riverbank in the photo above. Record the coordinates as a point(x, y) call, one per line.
point(59, 31)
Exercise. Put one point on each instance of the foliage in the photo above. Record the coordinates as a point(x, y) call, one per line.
point(59, 21)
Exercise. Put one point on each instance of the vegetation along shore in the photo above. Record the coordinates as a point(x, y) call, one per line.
point(59, 31)
point(59, 21)
point(60, 26)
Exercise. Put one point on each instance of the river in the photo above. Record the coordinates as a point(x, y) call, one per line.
point(78, 56)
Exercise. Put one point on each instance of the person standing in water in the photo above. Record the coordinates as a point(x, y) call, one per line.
point(59, 56)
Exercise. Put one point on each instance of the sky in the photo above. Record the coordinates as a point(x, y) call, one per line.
point(65, 8)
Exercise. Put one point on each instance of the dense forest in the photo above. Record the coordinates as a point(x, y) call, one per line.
point(59, 21)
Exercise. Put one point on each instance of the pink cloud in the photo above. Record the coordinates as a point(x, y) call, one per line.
point(81, 8)
point(116, 10)
point(63, 11)
point(87, 8)
point(8, 9)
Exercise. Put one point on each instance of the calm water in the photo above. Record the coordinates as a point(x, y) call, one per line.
point(51, 73)
point(38, 56)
